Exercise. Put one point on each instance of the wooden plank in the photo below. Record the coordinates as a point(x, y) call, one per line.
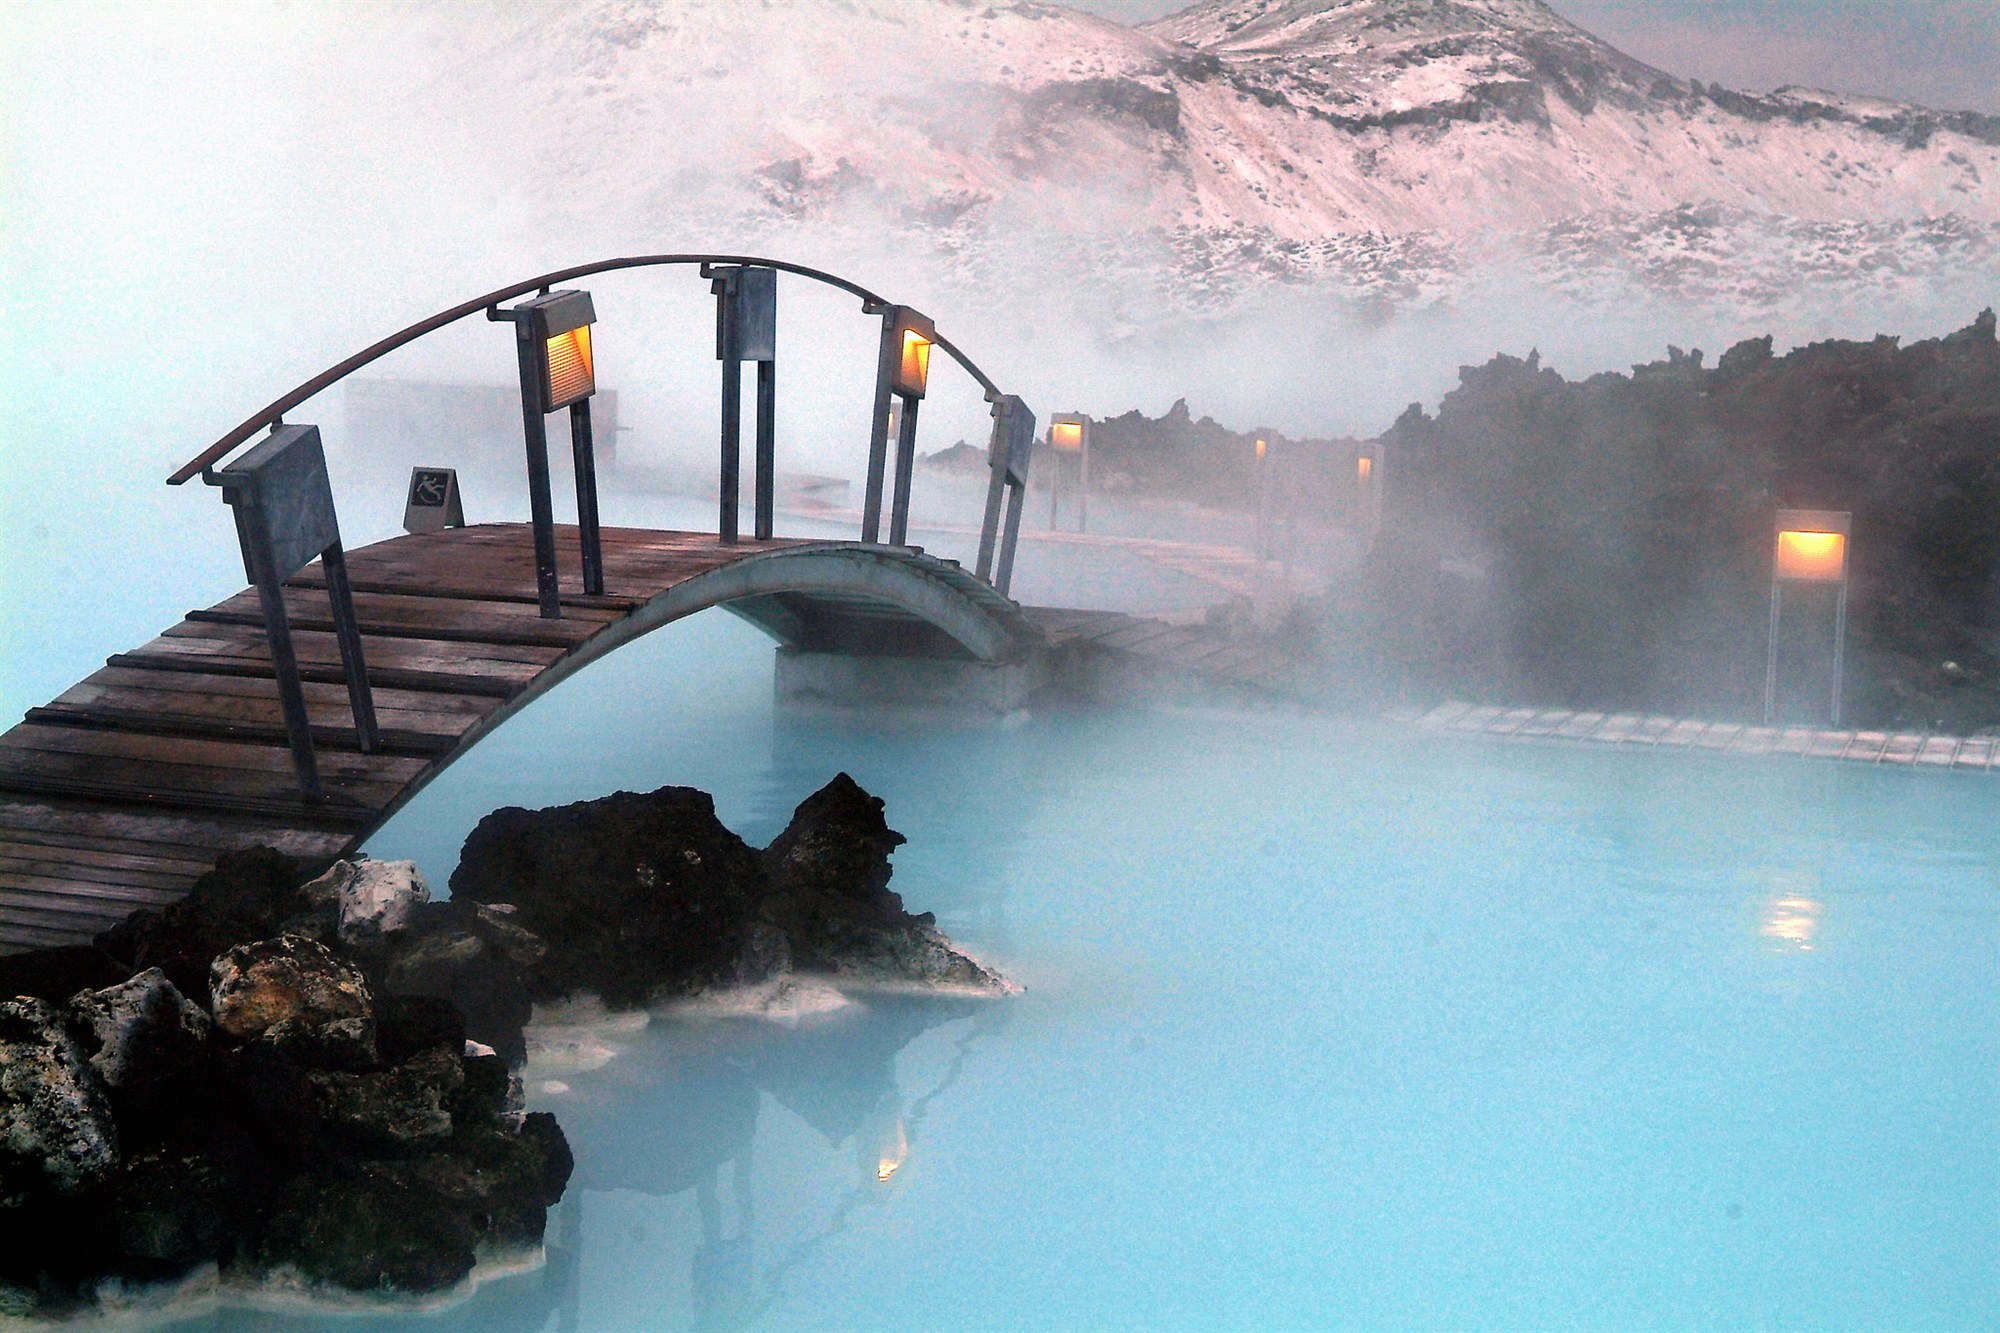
point(212, 833)
point(248, 700)
point(36, 842)
point(55, 909)
point(16, 937)
point(390, 740)
point(1866, 747)
point(57, 880)
point(385, 770)
point(156, 782)
point(396, 616)
point(87, 868)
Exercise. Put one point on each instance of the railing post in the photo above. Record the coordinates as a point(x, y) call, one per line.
point(767, 448)
point(283, 481)
point(878, 432)
point(732, 445)
point(746, 329)
point(1007, 454)
point(583, 454)
point(541, 508)
point(906, 458)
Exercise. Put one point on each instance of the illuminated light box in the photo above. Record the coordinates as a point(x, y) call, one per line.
point(1363, 467)
point(914, 372)
point(559, 325)
point(1067, 431)
point(1811, 546)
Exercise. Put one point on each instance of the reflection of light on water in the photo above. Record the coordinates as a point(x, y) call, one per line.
point(1791, 919)
point(885, 1142)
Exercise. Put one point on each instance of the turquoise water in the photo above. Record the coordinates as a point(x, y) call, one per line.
point(1327, 1025)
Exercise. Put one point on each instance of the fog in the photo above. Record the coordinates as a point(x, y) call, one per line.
point(201, 214)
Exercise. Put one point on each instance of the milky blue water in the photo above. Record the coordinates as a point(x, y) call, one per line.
point(1328, 1024)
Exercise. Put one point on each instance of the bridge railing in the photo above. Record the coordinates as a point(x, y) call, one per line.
point(745, 287)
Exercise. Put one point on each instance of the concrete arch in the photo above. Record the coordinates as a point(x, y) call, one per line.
point(983, 627)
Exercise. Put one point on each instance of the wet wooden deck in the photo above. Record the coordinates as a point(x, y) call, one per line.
point(1908, 749)
point(126, 788)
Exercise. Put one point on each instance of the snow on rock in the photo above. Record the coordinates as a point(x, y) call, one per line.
point(1386, 145)
point(372, 898)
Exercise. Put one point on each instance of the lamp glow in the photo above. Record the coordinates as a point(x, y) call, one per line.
point(571, 373)
point(1066, 436)
point(916, 367)
point(1813, 557)
point(1362, 467)
point(1261, 446)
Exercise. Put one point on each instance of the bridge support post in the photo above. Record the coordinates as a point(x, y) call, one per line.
point(767, 448)
point(902, 371)
point(283, 506)
point(906, 460)
point(1007, 454)
point(732, 447)
point(583, 453)
point(541, 507)
point(746, 329)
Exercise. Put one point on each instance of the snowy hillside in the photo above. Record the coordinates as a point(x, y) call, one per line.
point(1385, 147)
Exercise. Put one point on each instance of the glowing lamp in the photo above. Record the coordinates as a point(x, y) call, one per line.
point(1812, 557)
point(559, 328)
point(1262, 445)
point(914, 336)
point(1067, 431)
point(1363, 466)
point(1810, 547)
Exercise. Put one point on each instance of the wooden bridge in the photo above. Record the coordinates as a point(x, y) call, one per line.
point(127, 787)
point(304, 711)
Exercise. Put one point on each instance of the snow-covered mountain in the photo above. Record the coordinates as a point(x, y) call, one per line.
point(1388, 148)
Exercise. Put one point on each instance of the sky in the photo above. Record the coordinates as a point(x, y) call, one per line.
point(1938, 53)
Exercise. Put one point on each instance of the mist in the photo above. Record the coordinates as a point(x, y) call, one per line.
point(201, 215)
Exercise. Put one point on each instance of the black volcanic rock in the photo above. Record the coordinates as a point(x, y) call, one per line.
point(638, 896)
point(632, 894)
point(1612, 537)
point(280, 1122)
point(250, 895)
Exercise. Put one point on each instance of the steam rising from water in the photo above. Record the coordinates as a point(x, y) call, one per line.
point(206, 207)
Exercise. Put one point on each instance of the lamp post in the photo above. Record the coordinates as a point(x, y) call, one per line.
point(1811, 548)
point(1008, 455)
point(902, 372)
point(558, 369)
point(746, 329)
point(1263, 500)
point(283, 505)
point(1069, 433)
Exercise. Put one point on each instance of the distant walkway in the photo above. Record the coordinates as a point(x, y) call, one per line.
point(1632, 730)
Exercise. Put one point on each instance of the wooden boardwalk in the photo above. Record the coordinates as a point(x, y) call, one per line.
point(124, 790)
point(1975, 754)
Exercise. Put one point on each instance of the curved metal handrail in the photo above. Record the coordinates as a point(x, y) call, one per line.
point(870, 304)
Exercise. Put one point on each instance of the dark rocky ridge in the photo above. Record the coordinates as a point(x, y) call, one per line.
point(639, 896)
point(1623, 528)
point(317, 1105)
point(280, 1117)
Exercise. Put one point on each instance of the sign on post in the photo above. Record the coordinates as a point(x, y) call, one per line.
point(433, 505)
point(283, 505)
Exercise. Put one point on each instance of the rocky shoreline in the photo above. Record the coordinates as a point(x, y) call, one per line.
point(308, 1081)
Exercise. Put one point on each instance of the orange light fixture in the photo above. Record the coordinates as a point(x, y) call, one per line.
point(1363, 466)
point(1261, 446)
point(560, 324)
point(1816, 557)
point(1066, 435)
point(1811, 546)
point(916, 367)
point(571, 374)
